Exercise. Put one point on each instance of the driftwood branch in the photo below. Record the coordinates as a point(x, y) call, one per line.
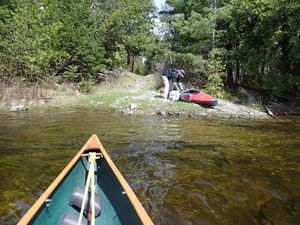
point(105, 75)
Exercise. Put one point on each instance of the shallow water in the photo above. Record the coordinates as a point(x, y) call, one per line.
point(184, 171)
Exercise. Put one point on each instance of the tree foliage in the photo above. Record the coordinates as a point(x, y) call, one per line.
point(71, 39)
point(257, 40)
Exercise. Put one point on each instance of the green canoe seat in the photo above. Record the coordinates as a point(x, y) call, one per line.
point(71, 219)
point(77, 198)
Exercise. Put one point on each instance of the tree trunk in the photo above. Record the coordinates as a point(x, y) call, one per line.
point(148, 64)
point(237, 73)
point(285, 65)
point(229, 79)
point(214, 26)
point(261, 72)
point(128, 59)
point(296, 69)
point(132, 63)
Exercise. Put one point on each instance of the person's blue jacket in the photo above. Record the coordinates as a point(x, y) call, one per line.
point(172, 74)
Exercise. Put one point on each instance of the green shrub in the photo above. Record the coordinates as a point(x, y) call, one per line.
point(279, 84)
point(72, 73)
point(140, 69)
point(86, 86)
point(215, 76)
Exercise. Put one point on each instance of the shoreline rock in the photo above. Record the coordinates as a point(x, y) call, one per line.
point(132, 95)
point(19, 107)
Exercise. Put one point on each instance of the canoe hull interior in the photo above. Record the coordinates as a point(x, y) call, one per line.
point(116, 207)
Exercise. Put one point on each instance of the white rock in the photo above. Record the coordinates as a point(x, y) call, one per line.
point(15, 108)
point(133, 106)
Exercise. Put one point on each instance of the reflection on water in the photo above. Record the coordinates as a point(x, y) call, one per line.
point(184, 171)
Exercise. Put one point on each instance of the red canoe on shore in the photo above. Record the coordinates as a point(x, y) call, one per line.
point(198, 97)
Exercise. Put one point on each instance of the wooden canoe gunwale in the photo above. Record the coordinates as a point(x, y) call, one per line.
point(92, 144)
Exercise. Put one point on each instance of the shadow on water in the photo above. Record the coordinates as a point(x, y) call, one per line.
point(184, 171)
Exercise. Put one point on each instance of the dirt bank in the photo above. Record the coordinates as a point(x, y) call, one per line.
point(127, 93)
point(139, 95)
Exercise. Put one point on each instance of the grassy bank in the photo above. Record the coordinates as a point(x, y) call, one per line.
point(128, 93)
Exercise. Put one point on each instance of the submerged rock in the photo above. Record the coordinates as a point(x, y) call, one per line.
point(277, 211)
point(15, 212)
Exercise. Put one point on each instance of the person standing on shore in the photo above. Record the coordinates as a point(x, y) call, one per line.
point(171, 79)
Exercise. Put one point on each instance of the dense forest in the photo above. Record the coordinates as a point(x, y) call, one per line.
point(227, 43)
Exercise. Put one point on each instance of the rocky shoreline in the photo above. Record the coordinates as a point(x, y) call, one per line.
point(151, 104)
point(134, 95)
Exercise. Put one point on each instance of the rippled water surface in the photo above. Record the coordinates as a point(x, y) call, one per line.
point(184, 171)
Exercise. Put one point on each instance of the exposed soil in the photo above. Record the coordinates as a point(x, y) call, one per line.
point(145, 98)
point(127, 93)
